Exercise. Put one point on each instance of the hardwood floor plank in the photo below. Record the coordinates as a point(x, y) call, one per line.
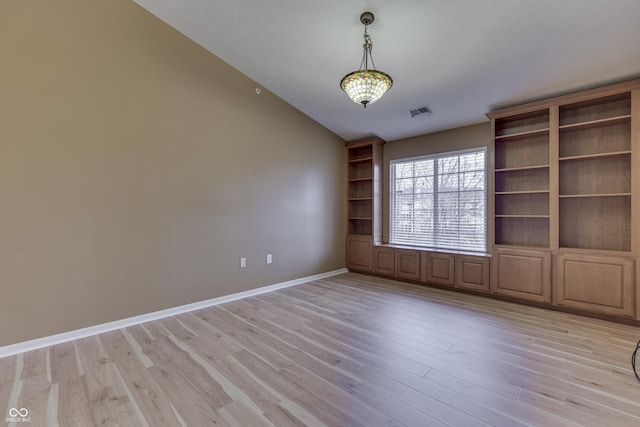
point(510, 407)
point(35, 364)
point(245, 387)
point(394, 407)
point(8, 369)
point(370, 344)
point(74, 405)
point(194, 408)
point(253, 391)
point(64, 362)
point(34, 397)
point(176, 362)
point(122, 386)
point(109, 402)
point(287, 413)
point(5, 396)
point(147, 394)
point(112, 406)
point(572, 410)
point(97, 367)
point(203, 383)
point(177, 329)
point(245, 336)
point(144, 345)
point(336, 393)
point(340, 348)
point(326, 413)
point(289, 342)
point(154, 330)
point(472, 407)
point(207, 333)
point(237, 414)
point(430, 403)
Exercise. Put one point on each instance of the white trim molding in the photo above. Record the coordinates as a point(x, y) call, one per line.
point(21, 347)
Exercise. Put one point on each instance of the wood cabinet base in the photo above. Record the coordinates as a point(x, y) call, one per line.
point(384, 260)
point(438, 268)
point(359, 253)
point(597, 284)
point(472, 273)
point(590, 284)
point(522, 274)
point(408, 264)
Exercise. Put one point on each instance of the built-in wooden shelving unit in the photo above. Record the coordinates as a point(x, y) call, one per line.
point(364, 217)
point(565, 195)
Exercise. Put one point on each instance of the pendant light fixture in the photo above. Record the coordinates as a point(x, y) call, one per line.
point(365, 86)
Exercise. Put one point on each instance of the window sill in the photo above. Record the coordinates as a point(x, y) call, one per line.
point(438, 250)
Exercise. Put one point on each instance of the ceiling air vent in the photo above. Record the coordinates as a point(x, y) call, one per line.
point(420, 111)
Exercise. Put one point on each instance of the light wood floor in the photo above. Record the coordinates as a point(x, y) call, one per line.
point(351, 350)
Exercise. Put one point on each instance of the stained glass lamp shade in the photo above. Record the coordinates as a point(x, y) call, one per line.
point(365, 86)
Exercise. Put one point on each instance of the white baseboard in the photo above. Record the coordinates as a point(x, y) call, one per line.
point(37, 343)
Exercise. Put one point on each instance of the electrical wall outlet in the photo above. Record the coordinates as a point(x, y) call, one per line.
point(269, 258)
point(243, 262)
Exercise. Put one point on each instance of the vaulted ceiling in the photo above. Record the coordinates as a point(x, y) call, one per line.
point(462, 58)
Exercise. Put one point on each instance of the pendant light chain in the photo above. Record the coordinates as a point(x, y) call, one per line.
point(368, 47)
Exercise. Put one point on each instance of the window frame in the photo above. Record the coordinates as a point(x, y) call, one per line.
point(435, 157)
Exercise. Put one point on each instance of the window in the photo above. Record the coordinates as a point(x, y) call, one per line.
point(440, 201)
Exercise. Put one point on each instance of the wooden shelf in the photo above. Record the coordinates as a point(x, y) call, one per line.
point(522, 216)
point(596, 175)
point(506, 193)
point(606, 139)
point(595, 221)
point(596, 156)
point(360, 179)
point(522, 180)
point(524, 230)
point(523, 168)
point(360, 151)
point(516, 246)
point(589, 112)
point(522, 205)
point(528, 124)
point(363, 159)
point(596, 123)
point(360, 199)
point(531, 149)
point(575, 196)
point(592, 251)
point(522, 135)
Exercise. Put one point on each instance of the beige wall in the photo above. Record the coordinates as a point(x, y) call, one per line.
point(136, 169)
point(439, 142)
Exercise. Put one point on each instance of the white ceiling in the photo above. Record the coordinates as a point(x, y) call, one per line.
point(463, 58)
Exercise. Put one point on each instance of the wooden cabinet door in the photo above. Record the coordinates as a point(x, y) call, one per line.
point(472, 272)
point(599, 284)
point(408, 264)
point(438, 268)
point(384, 260)
point(524, 274)
point(359, 253)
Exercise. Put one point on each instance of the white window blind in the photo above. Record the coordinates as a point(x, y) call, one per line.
point(440, 201)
